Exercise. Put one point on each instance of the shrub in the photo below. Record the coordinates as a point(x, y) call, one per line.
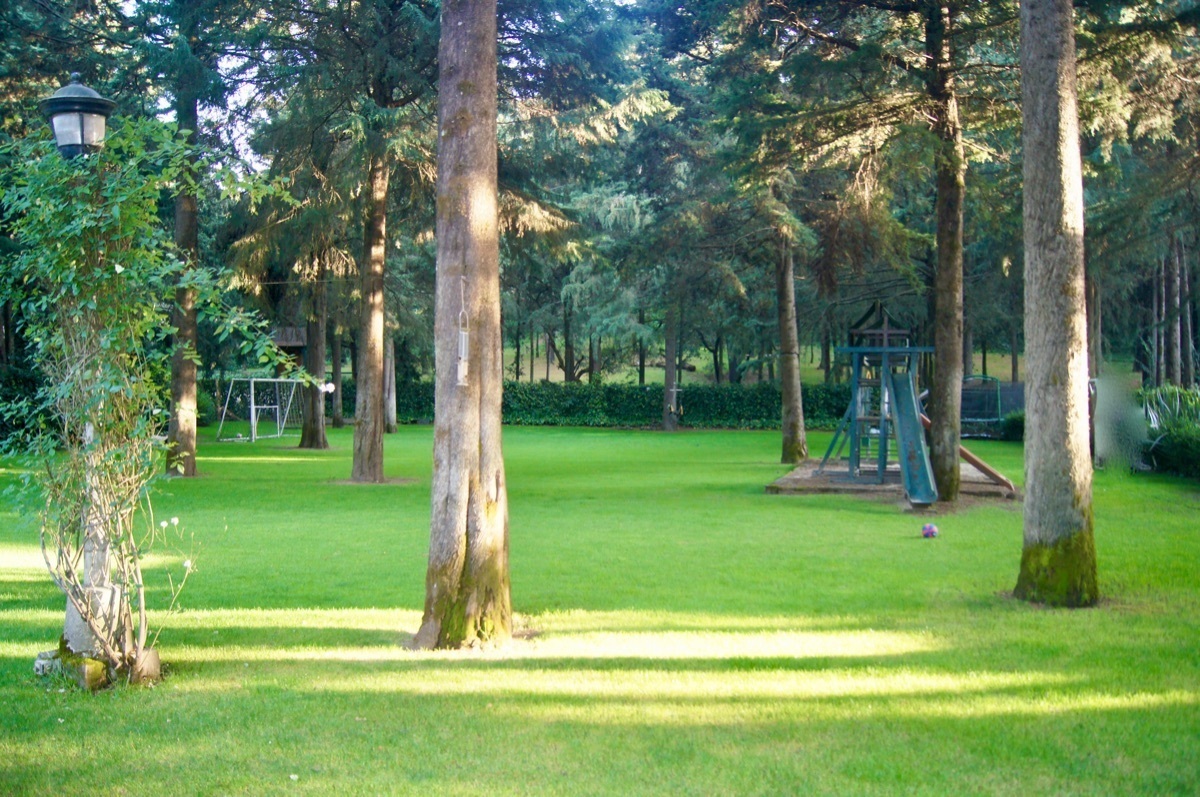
point(1169, 405)
point(1176, 450)
point(414, 401)
point(1012, 428)
point(206, 406)
point(754, 406)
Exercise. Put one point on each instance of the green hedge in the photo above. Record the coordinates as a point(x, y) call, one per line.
point(1177, 450)
point(1012, 428)
point(579, 404)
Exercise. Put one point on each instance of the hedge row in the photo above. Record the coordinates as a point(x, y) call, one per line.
point(1176, 450)
point(754, 406)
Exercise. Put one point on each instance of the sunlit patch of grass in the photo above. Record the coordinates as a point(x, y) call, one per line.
point(28, 558)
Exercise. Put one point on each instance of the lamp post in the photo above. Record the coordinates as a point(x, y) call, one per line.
point(79, 117)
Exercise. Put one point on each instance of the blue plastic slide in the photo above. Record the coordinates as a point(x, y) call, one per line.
point(915, 467)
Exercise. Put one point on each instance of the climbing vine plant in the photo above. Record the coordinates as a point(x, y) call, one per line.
point(95, 273)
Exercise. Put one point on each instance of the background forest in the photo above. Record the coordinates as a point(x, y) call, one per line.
point(660, 164)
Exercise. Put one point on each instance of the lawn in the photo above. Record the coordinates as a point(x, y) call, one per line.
point(681, 633)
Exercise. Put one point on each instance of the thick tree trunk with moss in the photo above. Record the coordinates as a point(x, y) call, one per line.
point(1058, 563)
point(946, 388)
point(181, 429)
point(795, 444)
point(312, 435)
point(368, 405)
point(467, 600)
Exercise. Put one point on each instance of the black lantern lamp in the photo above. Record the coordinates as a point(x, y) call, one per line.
point(78, 115)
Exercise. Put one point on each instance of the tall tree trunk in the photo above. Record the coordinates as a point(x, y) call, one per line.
point(826, 365)
point(1094, 315)
point(946, 390)
point(1014, 345)
point(312, 435)
point(968, 349)
point(368, 404)
point(568, 365)
point(983, 356)
point(1172, 331)
point(339, 415)
point(795, 443)
point(670, 417)
point(181, 429)
point(517, 340)
point(467, 598)
point(1187, 305)
point(641, 344)
point(389, 385)
point(1160, 324)
point(1058, 562)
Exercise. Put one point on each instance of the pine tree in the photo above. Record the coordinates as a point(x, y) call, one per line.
point(1058, 564)
point(467, 599)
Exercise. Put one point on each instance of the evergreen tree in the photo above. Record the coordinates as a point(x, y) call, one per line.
point(467, 600)
point(1058, 564)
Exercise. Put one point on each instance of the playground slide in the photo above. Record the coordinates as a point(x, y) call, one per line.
point(915, 467)
point(994, 475)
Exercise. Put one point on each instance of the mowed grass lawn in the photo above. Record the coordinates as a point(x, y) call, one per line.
point(681, 633)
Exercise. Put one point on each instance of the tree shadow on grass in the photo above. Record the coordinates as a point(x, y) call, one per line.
point(448, 726)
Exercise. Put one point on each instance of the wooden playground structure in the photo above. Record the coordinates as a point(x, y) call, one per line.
point(880, 442)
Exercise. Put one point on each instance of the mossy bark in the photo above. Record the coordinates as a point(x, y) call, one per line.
point(467, 599)
point(87, 672)
point(1058, 566)
point(1060, 574)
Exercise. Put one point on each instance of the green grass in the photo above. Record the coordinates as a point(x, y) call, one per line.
point(684, 634)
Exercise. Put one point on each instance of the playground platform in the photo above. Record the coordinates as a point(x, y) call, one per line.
point(805, 479)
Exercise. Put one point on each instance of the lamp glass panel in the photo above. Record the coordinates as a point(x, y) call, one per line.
point(93, 129)
point(68, 129)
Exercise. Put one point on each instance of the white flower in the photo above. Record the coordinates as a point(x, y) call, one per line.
point(162, 525)
point(187, 565)
point(174, 521)
point(118, 268)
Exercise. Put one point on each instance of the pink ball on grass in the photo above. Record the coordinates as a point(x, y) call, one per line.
point(929, 530)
